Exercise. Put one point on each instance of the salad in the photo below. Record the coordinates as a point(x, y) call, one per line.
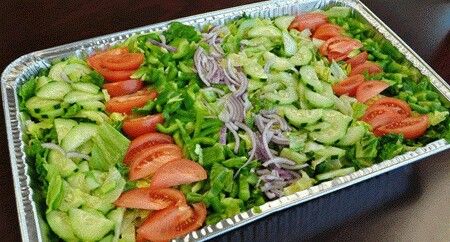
point(168, 131)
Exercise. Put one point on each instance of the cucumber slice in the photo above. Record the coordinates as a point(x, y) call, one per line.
point(78, 96)
point(63, 126)
point(290, 45)
point(41, 81)
point(303, 56)
point(317, 127)
point(64, 165)
point(330, 152)
point(254, 70)
point(41, 108)
point(89, 226)
point(335, 173)
point(92, 105)
point(353, 135)
point(283, 22)
point(313, 147)
point(109, 238)
point(66, 72)
point(299, 158)
point(318, 100)
point(86, 87)
point(98, 117)
point(309, 77)
point(57, 72)
point(78, 135)
point(59, 223)
point(78, 181)
point(278, 63)
point(336, 131)
point(297, 117)
point(268, 31)
point(54, 90)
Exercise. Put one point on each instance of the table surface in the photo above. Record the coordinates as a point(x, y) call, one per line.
point(424, 215)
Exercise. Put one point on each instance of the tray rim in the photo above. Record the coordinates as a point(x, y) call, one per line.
point(328, 187)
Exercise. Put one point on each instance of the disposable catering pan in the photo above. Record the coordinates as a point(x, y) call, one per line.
point(279, 225)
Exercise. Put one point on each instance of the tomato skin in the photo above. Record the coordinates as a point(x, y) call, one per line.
point(172, 222)
point(368, 66)
point(348, 85)
point(399, 106)
point(149, 160)
point(123, 88)
point(116, 64)
point(380, 116)
point(143, 125)
point(337, 48)
point(326, 31)
point(178, 172)
point(308, 21)
point(146, 198)
point(410, 128)
point(357, 59)
point(145, 141)
point(126, 103)
point(370, 89)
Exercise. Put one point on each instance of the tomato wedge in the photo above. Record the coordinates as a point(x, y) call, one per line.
point(142, 125)
point(145, 141)
point(380, 116)
point(370, 89)
point(348, 85)
point(146, 198)
point(308, 21)
point(172, 222)
point(126, 103)
point(395, 104)
point(123, 88)
point(357, 59)
point(366, 67)
point(326, 31)
point(147, 161)
point(116, 64)
point(178, 172)
point(324, 47)
point(337, 48)
point(410, 128)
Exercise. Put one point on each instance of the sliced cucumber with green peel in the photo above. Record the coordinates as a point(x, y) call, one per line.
point(54, 90)
point(68, 72)
point(318, 100)
point(297, 117)
point(79, 96)
point(353, 135)
point(330, 151)
point(96, 116)
point(303, 56)
point(41, 108)
point(92, 105)
point(78, 135)
point(309, 77)
point(298, 158)
point(63, 126)
point(41, 81)
point(268, 31)
point(89, 226)
point(336, 131)
point(283, 22)
point(290, 45)
point(336, 173)
point(64, 165)
point(60, 224)
point(86, 87)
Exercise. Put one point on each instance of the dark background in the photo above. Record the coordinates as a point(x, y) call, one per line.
point(28, 25)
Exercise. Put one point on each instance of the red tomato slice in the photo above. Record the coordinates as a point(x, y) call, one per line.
point(123, 88)
point(348, 85)
point(366, 67)
point(410, 128)
point(147, 161)
point(145, 141)
point(380, 116)
point(146, 198)
point(143, 125)
point(339, 50)
point(178, 172)
point(395, 104)
point(357, 59)
point(172, 222)
point(326, 31)
point(370, 89)
point(124, 61)
point(125, 104)
point(324, 47)
point(308, 21)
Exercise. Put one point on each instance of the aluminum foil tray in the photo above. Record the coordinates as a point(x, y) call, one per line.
point(33, 227)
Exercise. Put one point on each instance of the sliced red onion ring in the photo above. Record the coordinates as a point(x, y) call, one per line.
point(223, 135)
point(236, 137)
point(163, 45)
point(280, 161)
